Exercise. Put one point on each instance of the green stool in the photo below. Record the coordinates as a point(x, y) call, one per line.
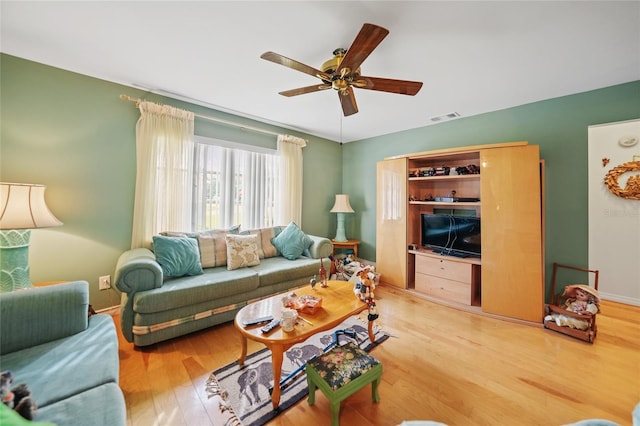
point(341, 372)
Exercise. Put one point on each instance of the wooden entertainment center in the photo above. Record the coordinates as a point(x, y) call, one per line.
point(501, 185)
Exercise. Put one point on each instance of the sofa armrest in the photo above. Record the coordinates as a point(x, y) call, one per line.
point(321, 247)
point(39, 315)
point(137, 270)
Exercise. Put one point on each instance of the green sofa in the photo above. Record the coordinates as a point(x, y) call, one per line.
point(155, 308)
point(68, 360)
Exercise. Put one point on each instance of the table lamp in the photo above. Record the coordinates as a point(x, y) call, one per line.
point(341, 206)
point(22, 208)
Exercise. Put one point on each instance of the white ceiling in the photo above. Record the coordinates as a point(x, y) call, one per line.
point(473, 57)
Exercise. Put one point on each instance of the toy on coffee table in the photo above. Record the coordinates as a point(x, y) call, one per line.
point(306, 303)
point(323, 275)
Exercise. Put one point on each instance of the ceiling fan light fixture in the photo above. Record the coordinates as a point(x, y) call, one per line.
point(330, 66)
point(339, 84)
point(343, 71)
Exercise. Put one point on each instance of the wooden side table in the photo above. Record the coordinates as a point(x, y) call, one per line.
point(349, 244)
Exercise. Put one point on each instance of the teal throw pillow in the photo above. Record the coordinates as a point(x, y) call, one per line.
point(292, 242)
point(177, 256)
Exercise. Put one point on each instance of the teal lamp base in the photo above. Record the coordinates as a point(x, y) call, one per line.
point(341, 235)
point(14, 259)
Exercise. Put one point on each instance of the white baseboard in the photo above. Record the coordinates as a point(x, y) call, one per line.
point(620, 299)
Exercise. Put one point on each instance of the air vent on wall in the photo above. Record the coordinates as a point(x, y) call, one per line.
point(444, 117)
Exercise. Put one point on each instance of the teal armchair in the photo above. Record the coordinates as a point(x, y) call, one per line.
point(68, 360)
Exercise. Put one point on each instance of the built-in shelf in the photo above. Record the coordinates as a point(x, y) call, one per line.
point(447, 203)
point(445, 177)
point(511, 267)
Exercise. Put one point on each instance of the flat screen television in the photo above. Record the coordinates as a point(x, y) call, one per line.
point(451, 235)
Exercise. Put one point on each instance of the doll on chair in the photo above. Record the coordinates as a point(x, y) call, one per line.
point(580, 299)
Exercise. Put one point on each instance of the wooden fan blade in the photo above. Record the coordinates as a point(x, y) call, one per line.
point(367, 39)
point(402, 87)
point(303, 90)
point(348, 102)
point(293, 64)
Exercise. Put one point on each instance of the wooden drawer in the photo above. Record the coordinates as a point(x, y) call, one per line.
point(444, 289)
point(444, 268)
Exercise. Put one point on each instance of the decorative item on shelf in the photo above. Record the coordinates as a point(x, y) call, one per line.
point(323, 275)
point(341, 207)
point(428, 171)
point(22, 208)
point(471, 169)
point(442, 171)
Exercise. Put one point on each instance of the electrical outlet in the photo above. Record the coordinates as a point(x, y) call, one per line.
point(104, 282)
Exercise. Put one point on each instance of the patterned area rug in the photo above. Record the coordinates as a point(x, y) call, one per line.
point(243, 392)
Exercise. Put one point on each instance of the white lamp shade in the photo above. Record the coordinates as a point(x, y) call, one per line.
point(22, 206)
point(342, 204)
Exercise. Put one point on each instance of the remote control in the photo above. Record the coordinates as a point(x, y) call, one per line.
point(273, 324)
point(255, 321)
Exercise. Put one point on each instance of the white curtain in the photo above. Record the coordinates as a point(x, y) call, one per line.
point(256, 196)
point(290, 189)
point(233, 187)
point(164, 154)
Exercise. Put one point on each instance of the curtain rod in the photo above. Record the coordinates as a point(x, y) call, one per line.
point(207, 117)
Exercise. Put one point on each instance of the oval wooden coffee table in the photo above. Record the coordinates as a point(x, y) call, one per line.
point(338, 303)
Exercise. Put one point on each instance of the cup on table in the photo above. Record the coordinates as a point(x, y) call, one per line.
point(289, 317)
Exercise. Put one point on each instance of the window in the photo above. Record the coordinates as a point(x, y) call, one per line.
point(233, 186)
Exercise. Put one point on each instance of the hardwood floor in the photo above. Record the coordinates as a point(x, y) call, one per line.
point(440, 364)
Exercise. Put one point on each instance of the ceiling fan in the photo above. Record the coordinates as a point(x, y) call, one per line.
point(342, 72)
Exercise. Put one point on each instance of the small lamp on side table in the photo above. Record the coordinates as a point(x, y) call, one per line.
point(22, 208)
point(342, 207)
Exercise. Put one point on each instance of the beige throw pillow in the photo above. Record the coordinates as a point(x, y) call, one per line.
point(242, 250)
point(213, 248)
point(265, 248)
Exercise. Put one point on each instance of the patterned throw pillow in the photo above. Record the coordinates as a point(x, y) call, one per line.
point(265, 247)
point(177, 256)
point(292, 242)
point(242, 250)
point(213, 246)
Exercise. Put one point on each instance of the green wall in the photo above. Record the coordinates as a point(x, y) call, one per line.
point(558, 126)
point(73, 133)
